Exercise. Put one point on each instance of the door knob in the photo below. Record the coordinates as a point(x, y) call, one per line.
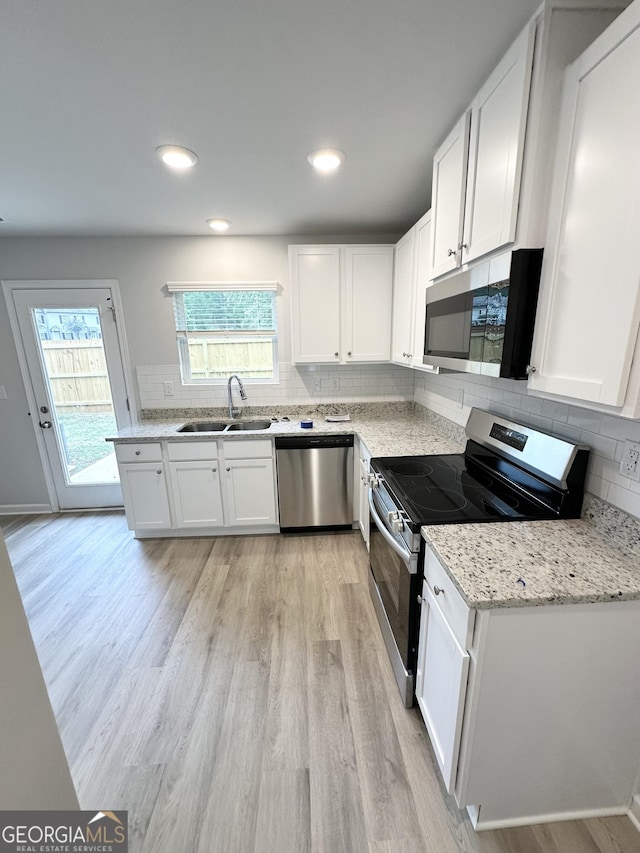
point(46, 424)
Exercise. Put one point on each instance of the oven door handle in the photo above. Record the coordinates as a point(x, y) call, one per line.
point(393, 543)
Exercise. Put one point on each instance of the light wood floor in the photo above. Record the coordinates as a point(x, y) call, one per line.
point(234, 695)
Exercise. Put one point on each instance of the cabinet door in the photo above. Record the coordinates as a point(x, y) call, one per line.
point(196, 494)
point(589, 311)
point(146, 500)
point(250, 492)
point(441, 684)
point(403, 298)
point(422, 282)
point(447, 196)
point(363, 508)
point(368, 288)
point(496, 147)
point(315, 303)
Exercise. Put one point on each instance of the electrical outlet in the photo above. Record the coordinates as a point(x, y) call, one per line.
point(630, 463)
point(168, 389)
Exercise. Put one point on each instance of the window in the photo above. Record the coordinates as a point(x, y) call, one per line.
point(224, 328)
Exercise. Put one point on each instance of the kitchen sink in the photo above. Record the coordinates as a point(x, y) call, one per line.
point(248, 425)
point(203, 426)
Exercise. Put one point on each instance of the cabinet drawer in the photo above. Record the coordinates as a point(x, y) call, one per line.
point(143, 451)
point(180, 451)
point(252, 448)
point(457, 613)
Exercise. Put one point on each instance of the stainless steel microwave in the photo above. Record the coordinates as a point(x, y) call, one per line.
point(481, 321)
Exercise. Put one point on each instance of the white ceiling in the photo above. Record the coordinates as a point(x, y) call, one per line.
point(90, 88)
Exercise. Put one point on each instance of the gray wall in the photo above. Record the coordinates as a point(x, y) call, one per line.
point(35, 773)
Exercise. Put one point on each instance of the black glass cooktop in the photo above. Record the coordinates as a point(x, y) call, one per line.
point(451, 489)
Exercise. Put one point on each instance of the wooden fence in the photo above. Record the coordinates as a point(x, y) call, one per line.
point(216, 360)
point(78, 375)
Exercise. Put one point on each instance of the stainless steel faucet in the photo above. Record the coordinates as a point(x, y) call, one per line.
point(234, 413)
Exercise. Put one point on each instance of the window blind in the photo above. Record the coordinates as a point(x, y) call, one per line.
point(224, 308)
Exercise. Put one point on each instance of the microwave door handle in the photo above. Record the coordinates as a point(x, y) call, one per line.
point(391, 541)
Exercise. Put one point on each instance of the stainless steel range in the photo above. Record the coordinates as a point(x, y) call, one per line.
point(508, 472)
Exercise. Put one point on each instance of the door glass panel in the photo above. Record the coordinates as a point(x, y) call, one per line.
point(75, 370)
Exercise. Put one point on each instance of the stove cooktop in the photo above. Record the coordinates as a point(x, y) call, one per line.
point(451, 489)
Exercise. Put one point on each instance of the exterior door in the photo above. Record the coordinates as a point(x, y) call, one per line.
point(73, 362)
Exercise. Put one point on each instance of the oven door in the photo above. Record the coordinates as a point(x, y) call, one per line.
point(394, 586)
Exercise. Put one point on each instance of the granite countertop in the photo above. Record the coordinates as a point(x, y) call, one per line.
point(401, 434)
point(560, 562)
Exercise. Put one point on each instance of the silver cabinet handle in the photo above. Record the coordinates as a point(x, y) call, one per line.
point(336, 354)
point(228, 469)
point(451, 252)
point(437, 590)
point(462, 246)
point(46, 424)
point(138, 452)
point(419, 598)
point(159, 471)
point(349, 353)
point(214, 470)
point(530, 369)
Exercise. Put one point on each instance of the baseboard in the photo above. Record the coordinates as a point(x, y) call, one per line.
point(634, 812)
point(25, 509)
point(529, 820)
point(185, 533)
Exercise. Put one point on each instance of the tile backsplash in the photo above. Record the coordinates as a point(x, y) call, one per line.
point(297, 385)
point(453, 394)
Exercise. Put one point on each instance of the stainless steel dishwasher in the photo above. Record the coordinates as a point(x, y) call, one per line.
point(315, 481)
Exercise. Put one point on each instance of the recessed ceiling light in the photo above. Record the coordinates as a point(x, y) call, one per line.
point(326, 159)
point(177, 157)
point(218, 224)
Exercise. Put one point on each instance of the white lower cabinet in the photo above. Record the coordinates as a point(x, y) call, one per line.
point(531, 710)
point(197, 498)
point(144, 485)
point(441, 683)
point(144, 491)
point(208, 486)
point(250, 492)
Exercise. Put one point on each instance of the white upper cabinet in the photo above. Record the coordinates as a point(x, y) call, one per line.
point(589, 310)
point(498, 122)
point(341, 303)
point(367, 314)
point(492, 175)
point(403, 298)
point(447, 198)
point(410, 282)
point(422, 282)
point(476, 171)
point(315, 303)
